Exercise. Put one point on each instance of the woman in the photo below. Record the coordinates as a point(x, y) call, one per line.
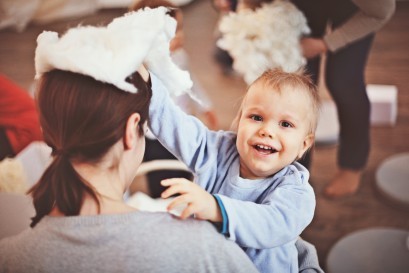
point(82, 223)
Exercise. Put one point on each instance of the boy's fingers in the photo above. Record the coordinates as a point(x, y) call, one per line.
point(183, 199)
point(174, 189)
point(173, 181)
point(168, 182)
point(187, 212)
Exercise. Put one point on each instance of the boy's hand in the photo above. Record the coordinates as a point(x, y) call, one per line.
point(199, 202)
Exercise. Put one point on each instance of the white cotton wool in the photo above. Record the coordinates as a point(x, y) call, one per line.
point(265, 38)
point(110, 54)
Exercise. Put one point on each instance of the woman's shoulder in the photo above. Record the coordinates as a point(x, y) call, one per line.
point(12, 247)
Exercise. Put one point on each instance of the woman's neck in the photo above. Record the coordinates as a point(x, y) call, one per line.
point(109, 184)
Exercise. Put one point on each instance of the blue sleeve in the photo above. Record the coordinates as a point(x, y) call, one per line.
point(282, 215)
point(183, 135)
point(225, 220)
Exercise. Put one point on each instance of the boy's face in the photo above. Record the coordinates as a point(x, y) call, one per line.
point(272, 131)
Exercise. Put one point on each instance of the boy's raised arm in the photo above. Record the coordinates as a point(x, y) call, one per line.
point(183, 135)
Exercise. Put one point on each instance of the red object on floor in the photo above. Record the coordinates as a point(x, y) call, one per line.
point(18, 115)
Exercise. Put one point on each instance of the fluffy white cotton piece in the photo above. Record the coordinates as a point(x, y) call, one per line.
point(265, 38)
point(110, 54)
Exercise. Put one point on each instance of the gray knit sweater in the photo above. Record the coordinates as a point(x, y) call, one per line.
point(131, 242)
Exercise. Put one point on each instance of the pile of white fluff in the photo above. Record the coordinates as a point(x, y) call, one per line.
point(110, 54)
point(263, 39)
point(12, 176)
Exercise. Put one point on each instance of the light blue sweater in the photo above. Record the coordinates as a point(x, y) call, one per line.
point(265, 216)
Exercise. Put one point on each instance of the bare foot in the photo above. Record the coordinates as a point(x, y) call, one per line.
point(345, 183)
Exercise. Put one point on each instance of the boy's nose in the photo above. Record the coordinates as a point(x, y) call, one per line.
point(265, 133)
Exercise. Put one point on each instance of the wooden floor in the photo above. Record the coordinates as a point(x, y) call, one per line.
point(388, 64)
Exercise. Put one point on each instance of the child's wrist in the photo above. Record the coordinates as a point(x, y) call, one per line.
point(222, 214)
point(216, 215)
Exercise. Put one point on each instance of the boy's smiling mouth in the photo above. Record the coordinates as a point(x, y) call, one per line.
point(264, 149)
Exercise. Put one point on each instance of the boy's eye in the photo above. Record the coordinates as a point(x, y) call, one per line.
point(256, 117)
point(286, 124)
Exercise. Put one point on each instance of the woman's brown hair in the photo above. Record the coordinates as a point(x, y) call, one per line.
point(173, 10)
point(152, 4)
point(81, 119)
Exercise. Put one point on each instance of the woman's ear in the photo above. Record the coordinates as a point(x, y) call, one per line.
point(131, 131)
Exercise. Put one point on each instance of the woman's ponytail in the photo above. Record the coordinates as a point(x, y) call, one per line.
point(62, 187)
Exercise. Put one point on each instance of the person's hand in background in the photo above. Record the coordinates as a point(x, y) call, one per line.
point(222, 5)
point(312, 47)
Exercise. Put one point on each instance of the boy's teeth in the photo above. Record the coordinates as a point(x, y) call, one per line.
point(264, 147)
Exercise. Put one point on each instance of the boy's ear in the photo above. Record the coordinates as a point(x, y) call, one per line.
point(131, 131)
point(308, 142)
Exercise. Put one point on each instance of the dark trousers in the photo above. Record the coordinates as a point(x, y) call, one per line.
point(344, 76)
point(5, 147)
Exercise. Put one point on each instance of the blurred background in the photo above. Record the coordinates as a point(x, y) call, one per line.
point(388, 65)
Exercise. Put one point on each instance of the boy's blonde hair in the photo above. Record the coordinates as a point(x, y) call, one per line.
point(277, 80)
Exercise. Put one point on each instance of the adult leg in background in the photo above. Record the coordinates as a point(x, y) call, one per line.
point(345, 78)
point(345, 81)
